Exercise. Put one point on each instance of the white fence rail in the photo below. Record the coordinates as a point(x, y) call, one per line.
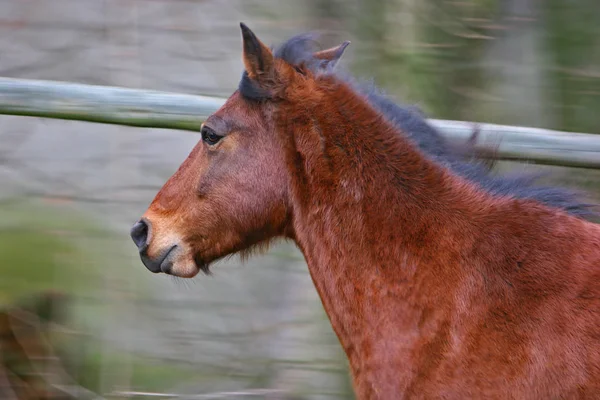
point(154, 109)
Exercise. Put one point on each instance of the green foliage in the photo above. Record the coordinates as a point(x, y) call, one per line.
point(54, 248)
point(434, 59)
point(88, 367)
point(572, 40)
point(39, 251)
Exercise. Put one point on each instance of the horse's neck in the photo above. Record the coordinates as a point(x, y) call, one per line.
point(361, 188)
point(371, 216)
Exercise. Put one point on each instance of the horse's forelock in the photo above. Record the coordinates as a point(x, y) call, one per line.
point(299, 50)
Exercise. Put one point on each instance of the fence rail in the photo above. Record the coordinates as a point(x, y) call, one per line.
point(154, 109)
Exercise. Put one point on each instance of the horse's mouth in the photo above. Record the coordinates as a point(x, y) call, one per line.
point(176, 261)
point(163, 263)
point(166, 264)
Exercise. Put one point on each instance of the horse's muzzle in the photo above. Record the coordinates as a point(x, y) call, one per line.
point(141, 234)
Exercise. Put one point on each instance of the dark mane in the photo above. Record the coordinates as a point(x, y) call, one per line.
point(298, 51)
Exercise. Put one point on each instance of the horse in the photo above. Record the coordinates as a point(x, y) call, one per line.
point(439, 279)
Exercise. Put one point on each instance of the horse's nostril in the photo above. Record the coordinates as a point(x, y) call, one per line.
point(139, 234)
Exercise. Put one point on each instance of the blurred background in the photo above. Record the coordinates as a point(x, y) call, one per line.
point(81, 317)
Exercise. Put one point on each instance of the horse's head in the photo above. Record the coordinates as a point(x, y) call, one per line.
point(231, 193)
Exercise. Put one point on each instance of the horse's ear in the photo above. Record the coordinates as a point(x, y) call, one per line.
point(333, 54)
point(258, 58)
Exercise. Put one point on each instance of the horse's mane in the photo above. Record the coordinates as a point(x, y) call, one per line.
point(299, 50)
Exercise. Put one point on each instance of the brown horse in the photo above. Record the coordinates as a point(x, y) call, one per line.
point(439, 280)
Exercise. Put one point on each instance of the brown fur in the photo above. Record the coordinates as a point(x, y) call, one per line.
point(435, 288)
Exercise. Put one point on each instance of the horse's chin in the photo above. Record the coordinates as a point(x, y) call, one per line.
point(184, 269)
point(184, 265)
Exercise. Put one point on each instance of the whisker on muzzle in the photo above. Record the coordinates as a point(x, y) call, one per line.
point(187, 283)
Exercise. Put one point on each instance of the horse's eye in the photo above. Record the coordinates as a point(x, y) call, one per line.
point(209, 136)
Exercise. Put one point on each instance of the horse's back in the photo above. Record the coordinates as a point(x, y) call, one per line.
point(554, 310)
point(531, 330)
